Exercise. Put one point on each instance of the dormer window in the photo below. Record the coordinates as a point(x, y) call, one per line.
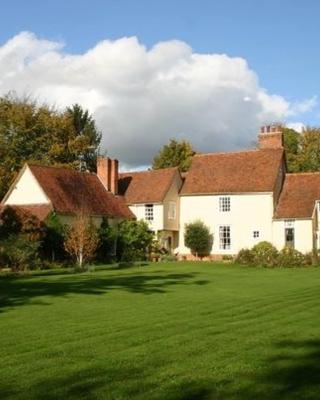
point(224, 204)
point(148, 212)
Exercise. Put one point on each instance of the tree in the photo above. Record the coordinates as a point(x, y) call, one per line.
point(108, 237)
point(292, 140)
point(134, 240)
point(175, 154)
point(309, 152)
point(37, 133)
point(81, 240)
point(198, 238)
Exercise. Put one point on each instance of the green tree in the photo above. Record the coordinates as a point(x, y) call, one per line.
point(309, 152)
point(174, 154)
point(135, 240)
point(198, 238)
point(108, 237)
point(292, 140)
point(30, 132)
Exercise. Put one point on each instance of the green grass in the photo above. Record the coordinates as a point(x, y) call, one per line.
point(178, 331)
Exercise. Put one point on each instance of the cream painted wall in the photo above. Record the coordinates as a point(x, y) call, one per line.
point(139, 212)
point(303, 231)
point(248, 212)
point(27, 191)
point(172, 196)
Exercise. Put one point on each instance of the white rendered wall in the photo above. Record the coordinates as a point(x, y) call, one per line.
point(27, 191)
point(157, 223)
point(249, 212)
point(303, 234)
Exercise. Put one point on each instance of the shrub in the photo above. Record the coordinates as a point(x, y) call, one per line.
point(134, 240)
point(19, 253)
point(198, 238)
point(289, 257)
point(265, 254)
point(245, 257)
point(168, 258)
point(53, 242)
point(108, 237)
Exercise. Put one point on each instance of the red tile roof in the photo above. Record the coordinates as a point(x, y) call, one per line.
point(299, 194)
point(71, 192)
point(237, 172)
point(146, 186)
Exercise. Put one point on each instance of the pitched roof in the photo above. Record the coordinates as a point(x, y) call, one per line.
point(298, 196)
point(238, 172)
point(40, 211)
point(146, 186)
point(71, 192)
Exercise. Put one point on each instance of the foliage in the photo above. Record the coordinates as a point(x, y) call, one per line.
point(19, 253)
point(265, 254)
point(81, 240)
point(302, 150)
point(289, 257)
point(108, 237)
point(53, 242)
point(168, 258)
point(245, 257)
point(198, 238)
point(31, 132)
point(175, 154)
point(135, 240)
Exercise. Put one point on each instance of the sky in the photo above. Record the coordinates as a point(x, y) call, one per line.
point(208, 71)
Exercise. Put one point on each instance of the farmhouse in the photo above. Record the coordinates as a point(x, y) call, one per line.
point(244, 197)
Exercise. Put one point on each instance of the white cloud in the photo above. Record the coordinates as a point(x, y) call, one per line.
point(297, 126)
point(142, 97)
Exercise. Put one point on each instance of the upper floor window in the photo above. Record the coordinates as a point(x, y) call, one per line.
point(224, 204)
point(256, 234)
point(172, 211)
point(148, 212)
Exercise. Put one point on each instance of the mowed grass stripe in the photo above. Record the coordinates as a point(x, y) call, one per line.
point(182, 331)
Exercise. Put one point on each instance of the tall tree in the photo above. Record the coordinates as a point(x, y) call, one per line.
point(30, 132)
point(174, 154)
point(292, 147)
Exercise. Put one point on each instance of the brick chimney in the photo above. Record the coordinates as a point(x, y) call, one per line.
point(108, 173)
point(270, 137)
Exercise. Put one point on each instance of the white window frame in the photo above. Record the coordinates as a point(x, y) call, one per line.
point(172, 210)
point(149, 212)
point(289, 223)
point(224, 236)
point(224, 204)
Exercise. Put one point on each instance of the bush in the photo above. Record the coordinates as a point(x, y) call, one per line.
point(168, 258)
point(245, 257)
point(198, 238)
point(108, 237)
point(289, 257)
point(19, 253)
point(265, 254)
point(134, 240)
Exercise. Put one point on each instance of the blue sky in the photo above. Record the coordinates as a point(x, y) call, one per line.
point(279, 39)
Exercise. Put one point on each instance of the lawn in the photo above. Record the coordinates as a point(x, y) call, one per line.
point(175, 331)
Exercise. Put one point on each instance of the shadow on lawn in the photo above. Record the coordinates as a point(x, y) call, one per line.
point(18, 291)
point(292, 374)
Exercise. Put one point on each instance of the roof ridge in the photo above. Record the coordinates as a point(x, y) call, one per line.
point(148, 170)
point(303, 173)
point(56, 167)
point(232, 152)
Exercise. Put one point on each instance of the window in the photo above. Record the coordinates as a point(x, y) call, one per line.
point(289, 223)
point(172, 210)
point(289, 237)
point(148, 212)
point(224, 204)
point(256, 234)
point(224, 237)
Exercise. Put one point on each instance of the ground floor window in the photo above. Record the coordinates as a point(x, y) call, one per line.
point(224, 237)
point(256, 234)
point(289, 237)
